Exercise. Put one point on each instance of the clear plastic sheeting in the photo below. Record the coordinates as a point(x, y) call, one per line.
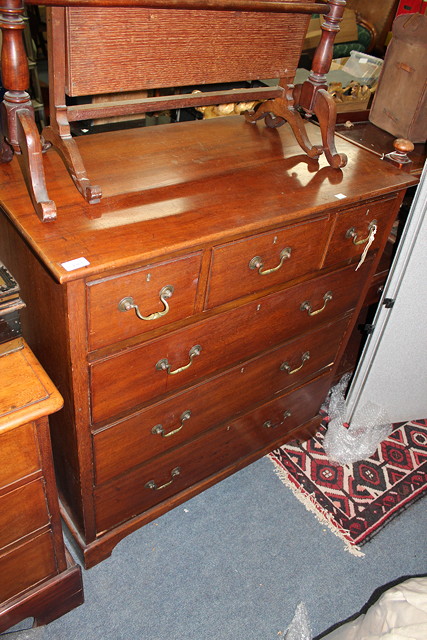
point(299, 629)
point(347, 443)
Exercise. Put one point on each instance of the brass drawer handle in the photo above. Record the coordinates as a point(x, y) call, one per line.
point(352, 233)
point(257, 263)
point(158, 429)
point(268, 424)
point(152, 485)
point(163, 364)
point(126, 304)
point(285, 366)
point(306, 306)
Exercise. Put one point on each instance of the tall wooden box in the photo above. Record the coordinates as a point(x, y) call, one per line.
point(400, 102)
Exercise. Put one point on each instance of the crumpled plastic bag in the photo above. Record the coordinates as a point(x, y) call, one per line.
point(399, 614)
point(347, 443)
point(299, 628)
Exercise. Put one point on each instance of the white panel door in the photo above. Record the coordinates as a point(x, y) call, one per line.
point(392, 372)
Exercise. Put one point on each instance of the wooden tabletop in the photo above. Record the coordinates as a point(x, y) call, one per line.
point(164, 186)
point(26, 392)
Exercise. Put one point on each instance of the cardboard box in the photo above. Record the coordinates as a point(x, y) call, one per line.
point(347, 33)
point(358, 70)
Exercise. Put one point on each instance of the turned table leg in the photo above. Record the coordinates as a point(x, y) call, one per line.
point(313, 96)
point(19, 131)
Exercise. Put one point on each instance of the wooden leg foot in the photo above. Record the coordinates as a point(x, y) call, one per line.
point(31, 162)
point(281, 110)
point(70, 154)
point(326, 111)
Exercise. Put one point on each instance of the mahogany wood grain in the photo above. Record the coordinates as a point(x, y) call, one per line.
point(206, 455)
point(20, 512)
point(38, 558)
point(108, 324)
point(354, 225)
point(322, 57)
point(19, 133)
point(46, 601)
point(102, 547)
point(193, 180)
point(51, 492)
point(291, 6)
point(127, 380)
point(26, 392)
point(138, 48)
point(14, 72)
point(19, 453)
point(132, 440)
point(62, 357)
point(234, 271)
point(219, 183)
point(32, 551)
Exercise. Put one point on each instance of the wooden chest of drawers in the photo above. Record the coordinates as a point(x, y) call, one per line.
point(38, 577)
point(217, 290)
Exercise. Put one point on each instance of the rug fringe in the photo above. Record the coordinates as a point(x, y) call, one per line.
point(308, 501)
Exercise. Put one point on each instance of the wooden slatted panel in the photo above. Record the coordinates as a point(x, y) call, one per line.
point(133, 49)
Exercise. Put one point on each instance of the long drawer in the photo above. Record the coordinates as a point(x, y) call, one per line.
point(121, 382)
point(172, 422)
point(179, 469)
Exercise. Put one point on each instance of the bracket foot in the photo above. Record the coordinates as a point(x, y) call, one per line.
point(31, 163)
point(70, 154)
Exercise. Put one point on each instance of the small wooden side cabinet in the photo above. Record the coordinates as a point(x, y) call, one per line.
point(38, 576)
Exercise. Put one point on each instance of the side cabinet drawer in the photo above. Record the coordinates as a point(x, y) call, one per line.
point(22, 511)
point(123, 381)
point(181, 468)
point(176, 420)
point(19, 454)
point(160, 293)
point(26, 565)
point(353, 229)
point(265, 260)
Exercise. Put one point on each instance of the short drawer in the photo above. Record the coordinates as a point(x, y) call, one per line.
point(26, 565)
point(124, 381)
point(153, 431)
point(354, 227)
point(164, 477)
point(22, 511)
point(129, 304)
point(19, 454)
point(265, 260)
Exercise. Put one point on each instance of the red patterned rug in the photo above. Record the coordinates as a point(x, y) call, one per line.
point(357, 500)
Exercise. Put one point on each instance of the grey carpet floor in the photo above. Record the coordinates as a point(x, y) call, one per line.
point(232, 564)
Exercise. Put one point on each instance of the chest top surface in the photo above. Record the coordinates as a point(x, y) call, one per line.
point(26, 392)
point(169, 189)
